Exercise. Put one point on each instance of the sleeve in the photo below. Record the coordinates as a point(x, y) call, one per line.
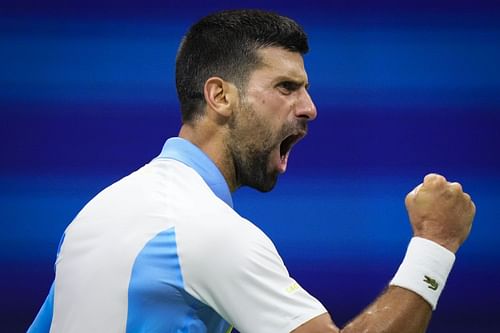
point(43, 320)
point(235, 269)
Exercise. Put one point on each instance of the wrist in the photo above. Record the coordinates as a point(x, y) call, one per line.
point(450, 244)
point(425, 269)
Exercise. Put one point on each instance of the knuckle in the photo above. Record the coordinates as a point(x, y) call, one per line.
point(430, 177)
point(456, 187)
point(434, 179)
point(410, 197)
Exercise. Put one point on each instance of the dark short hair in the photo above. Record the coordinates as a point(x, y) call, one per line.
point(225, 44)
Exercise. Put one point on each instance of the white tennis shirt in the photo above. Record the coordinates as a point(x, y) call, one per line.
point(162, 250)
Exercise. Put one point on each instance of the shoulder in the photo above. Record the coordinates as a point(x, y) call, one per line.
point(221, 234)
point(212, 237)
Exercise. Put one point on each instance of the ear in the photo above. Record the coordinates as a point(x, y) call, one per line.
point(221, 96)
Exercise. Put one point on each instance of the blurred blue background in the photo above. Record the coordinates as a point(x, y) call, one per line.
point(87, 95)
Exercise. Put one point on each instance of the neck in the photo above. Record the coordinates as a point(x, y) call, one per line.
point(210, 140)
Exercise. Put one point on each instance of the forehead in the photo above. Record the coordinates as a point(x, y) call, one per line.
point(278, 63)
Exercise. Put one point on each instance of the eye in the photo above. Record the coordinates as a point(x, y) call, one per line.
point(287, 87)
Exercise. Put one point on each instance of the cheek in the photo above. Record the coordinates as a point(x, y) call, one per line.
point(252, 130)
point(270, 107)
point(263, 133)
point(262, 119)
point(279, 107)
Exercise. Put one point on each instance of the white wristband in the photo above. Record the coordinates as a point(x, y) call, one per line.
point(425, 269)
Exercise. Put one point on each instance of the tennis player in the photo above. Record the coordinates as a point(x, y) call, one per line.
point(162, 250)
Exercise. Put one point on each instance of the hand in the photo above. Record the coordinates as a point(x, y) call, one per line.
point(440, 211)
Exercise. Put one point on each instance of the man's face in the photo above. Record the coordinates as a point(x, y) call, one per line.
point(273, 114)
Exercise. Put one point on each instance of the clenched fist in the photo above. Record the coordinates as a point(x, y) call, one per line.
point(440, 211)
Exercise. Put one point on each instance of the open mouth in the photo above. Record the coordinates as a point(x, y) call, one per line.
point(287, 144)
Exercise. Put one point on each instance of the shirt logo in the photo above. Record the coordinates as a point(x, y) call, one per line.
point(293, 288)
point(432, 284)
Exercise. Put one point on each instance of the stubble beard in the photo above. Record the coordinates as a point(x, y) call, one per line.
point(250, 145)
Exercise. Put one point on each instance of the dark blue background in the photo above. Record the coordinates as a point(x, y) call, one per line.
point(402, 89)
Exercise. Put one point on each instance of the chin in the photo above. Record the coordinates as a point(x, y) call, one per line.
point(266, 185)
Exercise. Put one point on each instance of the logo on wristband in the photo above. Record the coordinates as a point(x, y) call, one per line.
point(432, 284)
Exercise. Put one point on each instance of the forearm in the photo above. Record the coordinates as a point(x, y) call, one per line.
point(397, 310)
point(441, 215)
point(406, 305)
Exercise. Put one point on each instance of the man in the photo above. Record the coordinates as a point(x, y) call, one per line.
point(162, 250)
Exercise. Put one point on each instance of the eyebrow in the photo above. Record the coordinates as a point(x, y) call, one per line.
point(298, 82)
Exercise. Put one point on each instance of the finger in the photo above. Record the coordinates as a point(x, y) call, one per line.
point(433, 179)
point(410, 197)
point(472, 213)
point(473, 208)
point(470, 203)
point(457, 187)
point(416, 189)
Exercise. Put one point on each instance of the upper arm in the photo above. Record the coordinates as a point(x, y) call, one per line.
point(239, 274)
point(320, 324)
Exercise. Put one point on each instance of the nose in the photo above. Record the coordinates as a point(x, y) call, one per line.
point(305, 107)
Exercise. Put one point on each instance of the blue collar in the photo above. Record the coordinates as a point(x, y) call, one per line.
point(182, 150)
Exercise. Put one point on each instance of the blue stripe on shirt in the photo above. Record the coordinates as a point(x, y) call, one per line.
point(157, 301)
